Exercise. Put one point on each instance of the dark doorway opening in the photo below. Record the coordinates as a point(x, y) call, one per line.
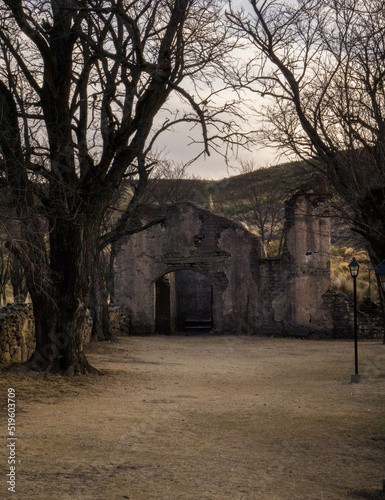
point(194, 298)
point(184, 303)
point(163, 306)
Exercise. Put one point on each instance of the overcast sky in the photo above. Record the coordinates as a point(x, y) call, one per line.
point(177, 146)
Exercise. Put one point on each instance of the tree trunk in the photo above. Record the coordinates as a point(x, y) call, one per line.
point(98, 303)
point(18, 282)
point(60, 309)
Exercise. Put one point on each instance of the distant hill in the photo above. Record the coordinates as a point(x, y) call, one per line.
point(216, 194)
point(227, 192)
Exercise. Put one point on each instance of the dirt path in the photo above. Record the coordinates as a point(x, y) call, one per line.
point(203, 418)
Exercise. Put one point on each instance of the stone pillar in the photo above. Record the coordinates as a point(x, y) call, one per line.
point(307, 253)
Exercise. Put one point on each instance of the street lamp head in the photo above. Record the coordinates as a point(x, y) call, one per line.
point(380, 271)
point(354, 268)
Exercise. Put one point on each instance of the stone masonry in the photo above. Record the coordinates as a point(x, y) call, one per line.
point(17, 333)
point(17, 330)
point(249, 294)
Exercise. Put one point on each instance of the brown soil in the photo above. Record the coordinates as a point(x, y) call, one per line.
point(203, 418)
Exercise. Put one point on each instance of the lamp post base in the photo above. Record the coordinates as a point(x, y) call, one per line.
point(355, 379)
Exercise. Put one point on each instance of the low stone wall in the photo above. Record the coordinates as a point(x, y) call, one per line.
point(370, 323)
point(17, 333)
point(17, 330)
point(120, 319)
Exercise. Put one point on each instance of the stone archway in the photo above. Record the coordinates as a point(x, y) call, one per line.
point(183, 303)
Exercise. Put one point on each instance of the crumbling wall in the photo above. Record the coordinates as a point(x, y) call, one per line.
point(194, 239)
point(120, 320)
point(17, 331)
point(307, 251)
point(370, 322)
point(250, 294)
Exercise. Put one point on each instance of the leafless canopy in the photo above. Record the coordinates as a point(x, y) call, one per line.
point(85, 90)
point(320, 66)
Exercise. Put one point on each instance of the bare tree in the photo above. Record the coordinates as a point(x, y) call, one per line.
point(320, 68)
point(260, 205)
point(18, 281)
point(167, 183)
point(5, 265)
point(171, 182)
point(81, 83)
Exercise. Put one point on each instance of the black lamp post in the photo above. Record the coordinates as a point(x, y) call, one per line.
point(380, 274)
point(354, 267)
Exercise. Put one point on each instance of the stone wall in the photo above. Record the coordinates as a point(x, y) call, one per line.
point(17, 330)
point(307, 252)
point(120, 318)
point(371, 324)
point(191, 239)
point(17, 333)
point(17, 340)
point(250, 294)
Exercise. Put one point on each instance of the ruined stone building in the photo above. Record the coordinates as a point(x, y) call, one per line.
point(199, 272)
point(196, 270)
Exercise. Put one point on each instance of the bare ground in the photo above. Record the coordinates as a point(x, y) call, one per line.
point(203, 418)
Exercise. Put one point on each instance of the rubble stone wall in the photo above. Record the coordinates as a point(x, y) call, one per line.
point(17, 331)
point(120, 320)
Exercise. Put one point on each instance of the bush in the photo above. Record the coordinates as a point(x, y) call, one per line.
point(341, 278)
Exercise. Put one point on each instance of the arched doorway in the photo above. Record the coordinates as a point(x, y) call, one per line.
point(183, 303)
